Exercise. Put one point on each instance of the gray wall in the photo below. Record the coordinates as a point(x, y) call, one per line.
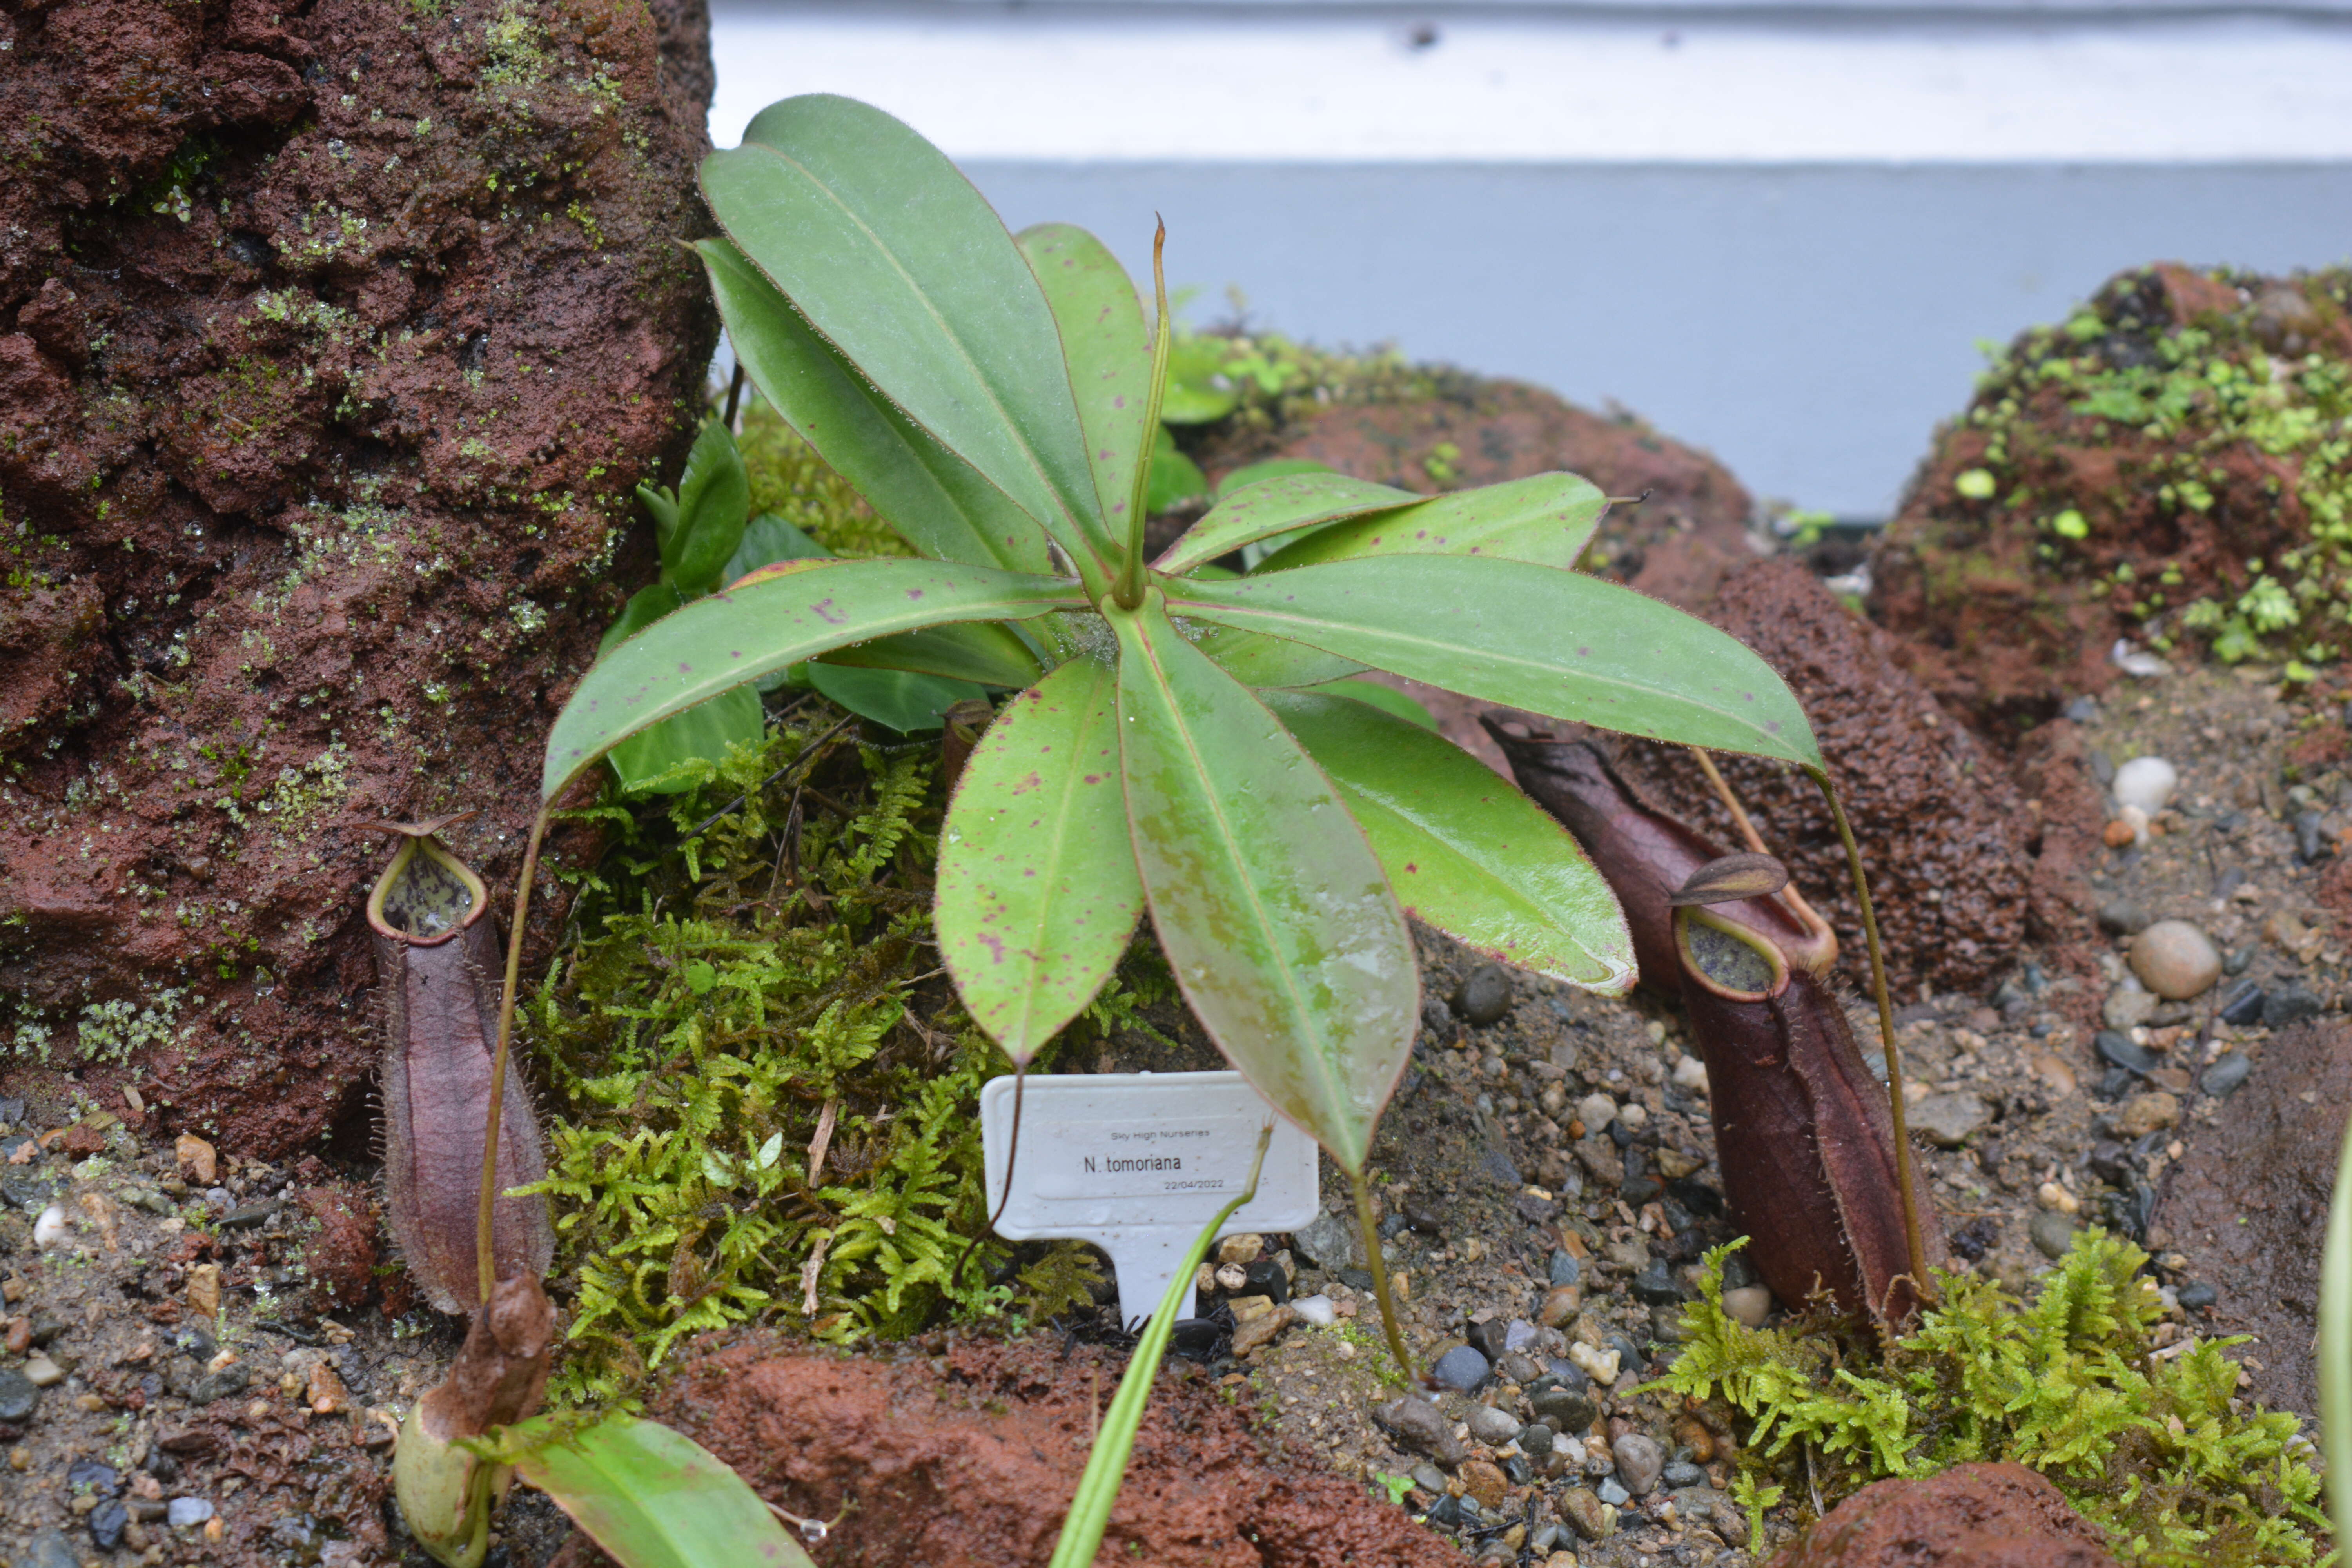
point(1807, 324)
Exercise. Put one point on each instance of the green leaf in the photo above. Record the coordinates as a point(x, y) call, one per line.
point(907, 703)
point(1195, 367)
point(934, 500)
point(767, 539)
point(1272, 468)
point(651, 1497)
point(651, 762)
point(1174, 477)
point(896, 260)
point(765, 623)
point(1552, 642)
point(1387, 698)
point(645, 606)
point(714, 498)
point(1277, 506)
point(1108, 350)
point(1256, 659)
point(1271, 907)
point(984, 652)
point(1546, 520)
point(1464, 850)
point(1038, 893)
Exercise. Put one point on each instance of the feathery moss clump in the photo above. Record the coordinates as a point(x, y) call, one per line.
point(2154, 1448)
point(728, 1002)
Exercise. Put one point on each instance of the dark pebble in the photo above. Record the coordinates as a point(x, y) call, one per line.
point(1490, 1339)
point(1700, 1198)
point(195, 1339)
point(1639, 1190)
point(2111, 1161)
point(2238, 961)
point(1564, 1410)
point(1445, 1511)
point(1536, 1438)
point(1683, 1473)
point(2310, 837)
point(28, 1192)
point(2103, 767)
point(1353, 1278)
point(1629, 1360)
point(1739, 1273)
point(1533, 1209)
point(1565, 1269)
point(2290, 1004)
point(1423, 1219)
point(1619, 1134)
point(1656, 1286)
point(1518, 1469)
point(1518, 1366)
point(98, 1477)
point(106, 1523)
point(18, 1397)
point(1265, 1277)
point(1484, 996)
point(1666, 1326)
point(246, 1216)
point(1193, 1337)
point(1393, 1225)
point(12, 1112)
point(2227, 1074)
point(221, 1384)
point(2245, 1005)
point(1461, 1368)
point(1565, 1373)
point(2123, 917)
point(2117, 1083)
point(1436, 1018)
point(47, 1330)
point(2117, 1050)
point(2198, 1296)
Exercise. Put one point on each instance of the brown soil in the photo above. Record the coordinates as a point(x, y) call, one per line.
point(1949, 843)
point(1970, 1516)
point(2248, 1209)
point(967, 1459)
point(1678, 544)
point(2002, 618)
point(340, 334)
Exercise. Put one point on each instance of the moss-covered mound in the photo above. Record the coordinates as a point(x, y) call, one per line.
point(2172, 465)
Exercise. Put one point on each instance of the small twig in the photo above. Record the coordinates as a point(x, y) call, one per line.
point(823, 1138)
point(1020, 1081)
point(734, 398)
point(798, 757)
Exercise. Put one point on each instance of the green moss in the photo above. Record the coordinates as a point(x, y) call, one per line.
point(2152, 1445)
point(791, 480)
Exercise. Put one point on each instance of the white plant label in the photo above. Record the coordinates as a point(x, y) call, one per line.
point(1138, 1164)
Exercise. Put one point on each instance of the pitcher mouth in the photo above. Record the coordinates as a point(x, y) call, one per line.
point(426, 895)
point(1728, 958)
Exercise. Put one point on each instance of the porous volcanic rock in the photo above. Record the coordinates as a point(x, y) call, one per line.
point(2249, 1205)
point(2167, 447)
point(1678, 544)
point(967, 1460)
point(1945, 837)
point(332, 338)
point(1970, 1516)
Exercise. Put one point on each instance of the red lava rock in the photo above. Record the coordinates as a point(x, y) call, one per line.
point(332, 338)
point(974, 1466)
point(1942, 829)
point(1994, 627)
point(1970, 1516)
point(1678, 544)
point(340, 1257)
point(2249, 1197)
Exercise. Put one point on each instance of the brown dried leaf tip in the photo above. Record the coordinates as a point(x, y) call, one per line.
point(438, 970)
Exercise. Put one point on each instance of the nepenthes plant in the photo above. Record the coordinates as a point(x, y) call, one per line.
point(1180, 744)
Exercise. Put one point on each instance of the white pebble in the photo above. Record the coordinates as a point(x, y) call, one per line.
point(1690, 1076)
point(1316, 1309)
point(1570, 1449)
point(1634, 1113)
point(1596, 1111)
point(1600, 1366)
point(1749, 1304)
point(2135, 819)
point(50, 1229)
point(2147, 783)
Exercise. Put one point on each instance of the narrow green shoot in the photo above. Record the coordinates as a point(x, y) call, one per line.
point(1129, 590)
point(2336, 1347)
point(1082, 1531)
point(1380, 1274)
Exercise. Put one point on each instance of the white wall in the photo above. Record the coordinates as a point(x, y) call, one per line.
point(1776, 232)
